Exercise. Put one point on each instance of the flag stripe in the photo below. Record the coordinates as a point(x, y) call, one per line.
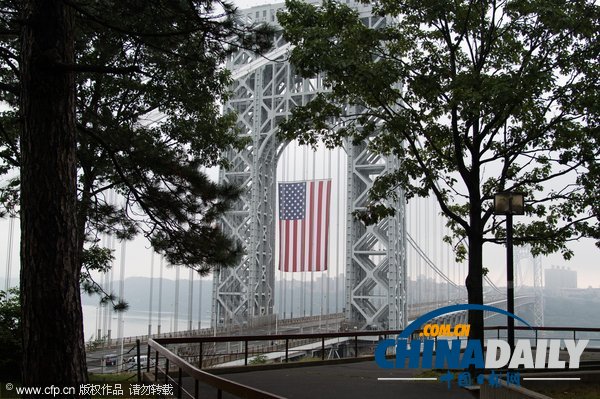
point(310, 225)
point(304, 225)
point(287, 245)
point(295, 251)
point(280, 246)
point(327, 204)
point(302, 247)
point(319, 209)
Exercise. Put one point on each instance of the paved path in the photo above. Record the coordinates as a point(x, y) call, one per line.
point(348, 381)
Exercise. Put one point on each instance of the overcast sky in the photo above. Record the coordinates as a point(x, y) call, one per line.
point(138, 256)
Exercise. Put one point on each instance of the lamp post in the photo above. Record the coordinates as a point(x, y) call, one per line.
point(509, 204)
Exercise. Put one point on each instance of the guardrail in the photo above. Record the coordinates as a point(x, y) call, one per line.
point(545, 332)
point(175, 363)
point(178, 365)
point(221, 384)
point(286, 338)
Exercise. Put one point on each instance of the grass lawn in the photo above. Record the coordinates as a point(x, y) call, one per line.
point(121, 377)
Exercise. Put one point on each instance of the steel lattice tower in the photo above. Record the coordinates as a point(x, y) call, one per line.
point(524, 253)
point(538, 289)
point(265, 90)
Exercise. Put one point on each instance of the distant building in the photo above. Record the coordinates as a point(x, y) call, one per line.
point(558, 277)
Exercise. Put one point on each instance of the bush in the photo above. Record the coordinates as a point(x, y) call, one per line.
point(11, 348)
point(258, 359)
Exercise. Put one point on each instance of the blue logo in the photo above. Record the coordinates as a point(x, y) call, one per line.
point(461, 354)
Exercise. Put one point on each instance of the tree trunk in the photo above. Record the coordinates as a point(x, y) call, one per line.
point(474, 281)
point(53, 343)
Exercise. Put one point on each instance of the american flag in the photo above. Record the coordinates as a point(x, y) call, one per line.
point(304, 225)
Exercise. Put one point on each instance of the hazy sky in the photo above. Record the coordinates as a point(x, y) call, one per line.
point(138, 256)
point(251, 3)
point(587, 256)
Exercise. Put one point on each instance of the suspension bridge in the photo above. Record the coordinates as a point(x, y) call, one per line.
point(378, 277)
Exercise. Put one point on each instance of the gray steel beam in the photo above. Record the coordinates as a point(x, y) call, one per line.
point(264, 93)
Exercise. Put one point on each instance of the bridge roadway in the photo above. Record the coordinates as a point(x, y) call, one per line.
point(300, 325)
point(304, 324)
point(348, 380)
point(309, 324)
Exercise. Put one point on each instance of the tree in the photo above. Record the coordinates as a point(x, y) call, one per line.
point(473, 98)
point(49, 281)
point(80, 82)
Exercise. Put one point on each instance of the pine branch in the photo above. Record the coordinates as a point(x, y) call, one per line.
point(97, 68)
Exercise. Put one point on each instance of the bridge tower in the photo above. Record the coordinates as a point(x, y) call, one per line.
point(538, 290)
point(523, 253)
point(265, 90)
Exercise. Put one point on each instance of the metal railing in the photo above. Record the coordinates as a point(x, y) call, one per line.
point(283, 338)
point(524, 332)
point(177, 365)
point(172, 363)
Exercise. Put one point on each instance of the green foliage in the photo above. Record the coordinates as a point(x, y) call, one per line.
point(472, 98)
point(150, 78)
point(10, 335)
point(258, 359)
point(95, 258)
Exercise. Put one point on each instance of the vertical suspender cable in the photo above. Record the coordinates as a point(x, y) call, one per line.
point(325, 276)
point(160, 285)
point(104, 308)
point(449, 260)
point(9, 251)
point(176, 308)
point(417, 257)
point(120, 332)
point(312, 266)
point(341, 215)
point(111, 245)
point(445, 258)
point(432, 247)
point(304, 173)
point(283, 276)
point(200, 302)
point(329, 257)
point(292, 170)
point(407, 222)
point(190, 300)
point(408, 260)
point(413, 257)
point(151, 293)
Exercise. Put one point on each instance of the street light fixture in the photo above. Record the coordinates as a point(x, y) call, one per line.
point(509, 204)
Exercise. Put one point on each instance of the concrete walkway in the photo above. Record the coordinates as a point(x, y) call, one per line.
point(348, 381)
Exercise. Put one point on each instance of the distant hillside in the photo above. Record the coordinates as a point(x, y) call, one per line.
point(137, 294)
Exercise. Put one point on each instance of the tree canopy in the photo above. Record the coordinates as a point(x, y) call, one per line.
point(473, 98)
point(149, 81)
